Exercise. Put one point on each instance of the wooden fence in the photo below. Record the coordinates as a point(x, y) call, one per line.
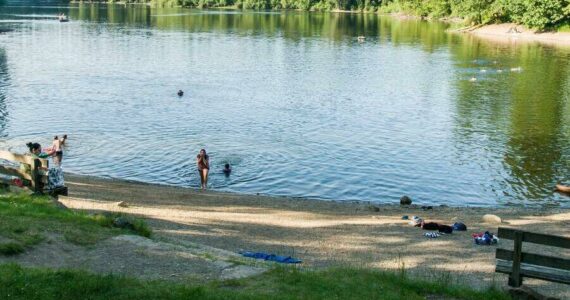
point(33, 175)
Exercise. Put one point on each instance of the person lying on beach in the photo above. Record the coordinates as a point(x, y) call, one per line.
point(203, 162)
point(227, 169)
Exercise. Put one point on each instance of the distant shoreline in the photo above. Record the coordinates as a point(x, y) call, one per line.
point(513, 34)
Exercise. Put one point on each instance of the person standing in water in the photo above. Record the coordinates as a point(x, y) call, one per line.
point(203, 162)
point(57, 150)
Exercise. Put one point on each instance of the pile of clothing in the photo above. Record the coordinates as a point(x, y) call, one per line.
point(441, 228)
point(485, 238)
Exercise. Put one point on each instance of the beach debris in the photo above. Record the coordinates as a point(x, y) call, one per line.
point(489, 218)
point(405, 200)
point(427, 207)
point(373, 208)
point(517, 69)
point(361, 38)
point(483, 71)
point(405, 217)
point(473, 79)
point(500, 71)
point(122, 204)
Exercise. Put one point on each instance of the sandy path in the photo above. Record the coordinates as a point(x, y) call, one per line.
point(319, 232)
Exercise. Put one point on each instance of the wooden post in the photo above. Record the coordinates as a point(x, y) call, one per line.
point(36, 176)
point(515, 279)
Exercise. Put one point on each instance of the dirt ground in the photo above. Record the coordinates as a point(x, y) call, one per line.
point(198, 234)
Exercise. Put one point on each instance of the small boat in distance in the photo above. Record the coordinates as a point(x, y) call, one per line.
point(563, 188)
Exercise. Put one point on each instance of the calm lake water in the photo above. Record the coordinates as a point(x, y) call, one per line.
point(292, 100)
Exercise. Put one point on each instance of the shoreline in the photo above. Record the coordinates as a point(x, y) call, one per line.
point(321, 233)
point(510, 33)
point(394, 203)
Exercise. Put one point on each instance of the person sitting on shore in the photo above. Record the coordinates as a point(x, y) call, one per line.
point(203, 162)
point(227, 169)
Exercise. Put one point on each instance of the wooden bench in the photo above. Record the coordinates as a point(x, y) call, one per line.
point(35, 179)
point(519, 264)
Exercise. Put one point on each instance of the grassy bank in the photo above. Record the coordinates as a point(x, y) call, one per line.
point(26, 221)
point(280, 283)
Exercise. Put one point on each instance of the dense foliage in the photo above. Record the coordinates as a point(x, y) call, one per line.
point(539, 14)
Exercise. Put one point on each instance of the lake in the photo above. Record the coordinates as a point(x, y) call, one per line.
point(294, 101)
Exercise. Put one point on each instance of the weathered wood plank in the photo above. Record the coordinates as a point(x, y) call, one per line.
point(515, 279)
point(26, 159)
point(535, 238)
point(15, 172)
point(536, 259)
point(538, 272)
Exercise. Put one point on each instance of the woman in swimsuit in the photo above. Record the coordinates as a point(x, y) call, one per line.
point(203, 162)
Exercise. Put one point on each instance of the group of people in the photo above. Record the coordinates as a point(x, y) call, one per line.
point(55, 151)
point(203, 164)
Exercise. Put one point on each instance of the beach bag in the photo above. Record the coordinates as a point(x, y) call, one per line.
point(55, 178)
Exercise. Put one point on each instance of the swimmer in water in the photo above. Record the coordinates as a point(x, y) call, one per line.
point(227, 169)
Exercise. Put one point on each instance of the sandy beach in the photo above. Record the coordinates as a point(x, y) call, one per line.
point(323, 233)
point(512, 34)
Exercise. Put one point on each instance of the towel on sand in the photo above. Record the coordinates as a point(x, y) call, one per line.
point(271, 257)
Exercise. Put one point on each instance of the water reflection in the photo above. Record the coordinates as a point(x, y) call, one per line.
point(517, 99)
point(443, 117)
point(4, 82)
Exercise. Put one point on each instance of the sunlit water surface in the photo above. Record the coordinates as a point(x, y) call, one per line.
point(294, 101)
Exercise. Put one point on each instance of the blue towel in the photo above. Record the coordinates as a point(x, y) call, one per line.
point(272, 257)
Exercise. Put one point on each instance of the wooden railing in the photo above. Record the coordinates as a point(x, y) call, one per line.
point(519, 264)
point(33, 176)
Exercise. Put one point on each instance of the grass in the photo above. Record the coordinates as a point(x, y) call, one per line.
point(280, 283)
point(25, 221)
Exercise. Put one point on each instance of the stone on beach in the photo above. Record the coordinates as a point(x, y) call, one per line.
point(405, 200)
point(122, 204)
point(488, 218)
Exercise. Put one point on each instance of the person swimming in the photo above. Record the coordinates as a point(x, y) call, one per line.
point(180, 93)
point(227, 169)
